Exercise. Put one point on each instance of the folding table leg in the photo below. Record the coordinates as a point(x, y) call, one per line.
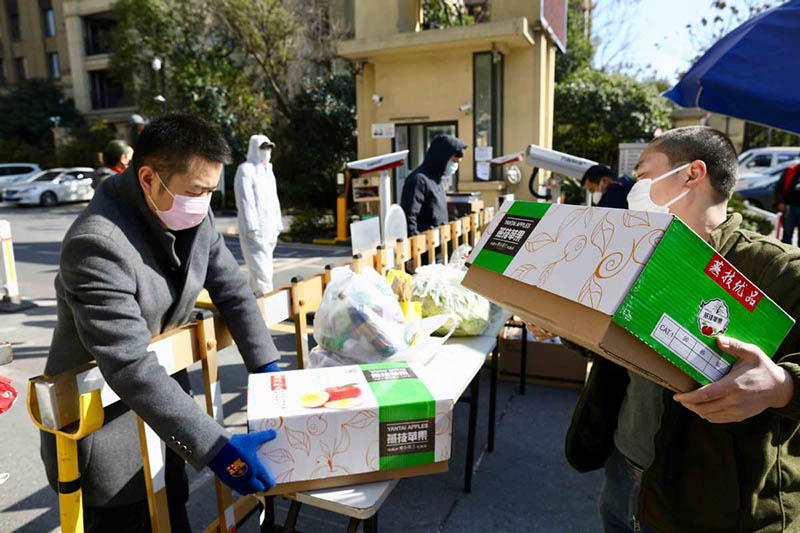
point(371, 524)
point(523, 364)
point(268, 523)
point(473, 421)
point(352, 525)
point(492, 399)
point(291, 517)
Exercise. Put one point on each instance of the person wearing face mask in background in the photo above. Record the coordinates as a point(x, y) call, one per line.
point(607, 189)
point(132, 266)
point(259, 212)
point(424, 197)
point(723, 457)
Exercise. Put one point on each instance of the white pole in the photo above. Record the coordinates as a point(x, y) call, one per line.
point(8, 270)
point(385, 192)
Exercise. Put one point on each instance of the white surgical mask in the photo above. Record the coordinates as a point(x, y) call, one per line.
point(451, 168)
point(596, 197)
point(639, 196)
point(265, 154)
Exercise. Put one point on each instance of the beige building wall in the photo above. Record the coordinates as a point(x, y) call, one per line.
point(33, 46)
point(74, 65)
point(425, 76)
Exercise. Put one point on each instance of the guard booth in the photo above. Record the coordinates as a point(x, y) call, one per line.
point(490, 84)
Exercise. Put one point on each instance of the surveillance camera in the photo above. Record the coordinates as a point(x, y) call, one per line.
point(466, 108)
point(377, 98)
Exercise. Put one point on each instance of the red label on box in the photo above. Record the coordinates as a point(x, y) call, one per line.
point(733, 282)
point(277, 382)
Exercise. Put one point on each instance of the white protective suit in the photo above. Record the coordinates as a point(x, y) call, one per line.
point(259, 213)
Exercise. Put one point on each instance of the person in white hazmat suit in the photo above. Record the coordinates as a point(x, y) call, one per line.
point(259, 210)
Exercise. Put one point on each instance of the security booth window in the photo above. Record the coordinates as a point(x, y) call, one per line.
point(488, 111)
point(416, 138)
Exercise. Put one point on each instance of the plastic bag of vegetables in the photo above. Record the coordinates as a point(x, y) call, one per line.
point(439, 289)
point(360, 321)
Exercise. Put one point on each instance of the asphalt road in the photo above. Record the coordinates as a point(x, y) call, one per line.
point(524, 485)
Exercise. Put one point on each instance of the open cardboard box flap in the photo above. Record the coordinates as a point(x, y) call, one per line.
point(580, 324)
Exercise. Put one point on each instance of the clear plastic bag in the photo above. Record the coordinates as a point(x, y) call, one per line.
point(421, 349)
point(439, 289)
point(360, 320)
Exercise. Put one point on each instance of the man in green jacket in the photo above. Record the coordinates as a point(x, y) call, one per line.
point(725, 457)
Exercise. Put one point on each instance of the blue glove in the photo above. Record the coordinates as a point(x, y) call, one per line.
point(269, 367)
point(237, 464)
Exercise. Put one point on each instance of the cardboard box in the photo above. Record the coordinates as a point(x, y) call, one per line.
point(351, 424)
point(548, 363)
point(641, 289)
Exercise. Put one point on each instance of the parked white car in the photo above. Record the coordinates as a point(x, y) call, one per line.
point(11, 173)
point(53, 186)
point(760, 159)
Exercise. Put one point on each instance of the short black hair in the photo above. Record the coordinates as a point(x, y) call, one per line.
point(113, 151)
point(597, 172)
point(169, 142)
point(714, 148)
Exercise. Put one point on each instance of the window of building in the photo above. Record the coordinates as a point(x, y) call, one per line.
point(97, 30)
point(416, 138)
point(487, 110)
point(106, 91)
point(19, 66)
point(53, 68)
point(12, 12)
point(49, 22)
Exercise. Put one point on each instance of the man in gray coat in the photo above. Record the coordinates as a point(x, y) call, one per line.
point(132, 266)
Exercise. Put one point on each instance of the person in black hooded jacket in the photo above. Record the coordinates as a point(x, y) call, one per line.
point(423, 198)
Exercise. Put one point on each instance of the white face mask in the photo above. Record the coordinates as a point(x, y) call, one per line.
point(265, 155)
point(596, 197)
point(639, 196)
point(451, 168)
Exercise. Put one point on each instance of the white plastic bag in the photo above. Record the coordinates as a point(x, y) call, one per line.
point(360, 320)
point(439, 289)
point(421, 349)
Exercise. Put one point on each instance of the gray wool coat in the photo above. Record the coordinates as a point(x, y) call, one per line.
point(121, 281)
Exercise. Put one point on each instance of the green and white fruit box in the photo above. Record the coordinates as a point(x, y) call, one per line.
point(349, 424)
point(649, 272)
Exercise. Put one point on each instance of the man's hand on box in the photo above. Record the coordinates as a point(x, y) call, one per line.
point(237, 463)
point(753, 384)
point(269, 367)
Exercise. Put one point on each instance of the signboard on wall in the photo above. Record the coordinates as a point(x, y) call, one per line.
point(554, 21)
point(383, 131)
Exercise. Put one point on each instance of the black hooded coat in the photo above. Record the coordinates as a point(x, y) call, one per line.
point(423, 199)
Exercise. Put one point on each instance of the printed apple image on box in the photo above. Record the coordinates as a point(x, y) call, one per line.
point(618, 273)
point(351, 424)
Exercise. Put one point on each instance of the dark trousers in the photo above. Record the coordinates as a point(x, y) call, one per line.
point(135, 517)
point(619, 500)
point(791, 221)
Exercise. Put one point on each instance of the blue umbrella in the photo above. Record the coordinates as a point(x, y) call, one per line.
point(753, 73)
